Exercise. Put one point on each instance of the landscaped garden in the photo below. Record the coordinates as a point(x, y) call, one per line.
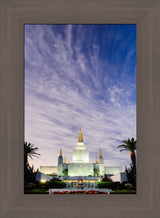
point(79, 192)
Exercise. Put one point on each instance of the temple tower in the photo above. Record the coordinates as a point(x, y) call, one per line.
point(80, 165)
point(65, 165)
point(60, 163)
point(96, 167)
point(80, 154)
point(101, 163)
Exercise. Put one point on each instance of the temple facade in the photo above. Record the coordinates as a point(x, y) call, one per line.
point(80, 166)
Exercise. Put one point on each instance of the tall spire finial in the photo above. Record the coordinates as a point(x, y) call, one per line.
point(96, 160)
point(60, 153)
point(100, 153)
point(80, 138)
point(64, 161)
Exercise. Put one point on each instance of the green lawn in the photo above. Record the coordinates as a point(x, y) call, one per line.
point(124, 192)
point(36, 191)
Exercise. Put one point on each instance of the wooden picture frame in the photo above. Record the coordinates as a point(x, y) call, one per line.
point(13, 15)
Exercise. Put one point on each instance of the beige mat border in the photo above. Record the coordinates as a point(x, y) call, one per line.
point(13, 15)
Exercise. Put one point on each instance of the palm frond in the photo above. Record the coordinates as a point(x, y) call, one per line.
point(128, 144)
point(30, 150)
point(123, 149)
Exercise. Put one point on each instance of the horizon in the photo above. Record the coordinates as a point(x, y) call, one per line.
point(80, 76)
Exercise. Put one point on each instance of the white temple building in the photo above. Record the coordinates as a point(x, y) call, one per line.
point(80, 166)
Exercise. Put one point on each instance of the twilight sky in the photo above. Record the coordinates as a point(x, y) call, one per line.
point(80, 76)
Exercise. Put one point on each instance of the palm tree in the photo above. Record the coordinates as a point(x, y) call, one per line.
point(29, 151)
point(130, 145)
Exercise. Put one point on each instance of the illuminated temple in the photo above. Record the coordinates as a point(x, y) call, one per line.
point(80, 167)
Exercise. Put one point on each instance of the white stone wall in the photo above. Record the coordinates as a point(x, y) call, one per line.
point(112, 170)
point(81, 156)
point(42, 177)
point(80, 145)
point(80, 169)
point(48, 169)
point(123, 177)
point(116, 178)
point(120, 177)
point(101, 169)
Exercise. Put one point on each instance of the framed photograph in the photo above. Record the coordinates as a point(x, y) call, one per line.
point(14, 16)
point(80, 78)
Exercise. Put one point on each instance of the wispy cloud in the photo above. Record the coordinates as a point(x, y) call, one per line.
point(69, 85)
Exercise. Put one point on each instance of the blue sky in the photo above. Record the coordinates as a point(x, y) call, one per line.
point(80, 76)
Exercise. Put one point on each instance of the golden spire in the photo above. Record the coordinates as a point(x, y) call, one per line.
point(96, 160)
point(60, 153)
point(80, 138)
point(64, 161)
point(100, 153)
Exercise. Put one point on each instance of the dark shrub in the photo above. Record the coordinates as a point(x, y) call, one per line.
point(55, 184)
point(39, 185)
point(104, 184)
point(106, 178)
point(123, 185)
point(56, 179)
point(109, 185)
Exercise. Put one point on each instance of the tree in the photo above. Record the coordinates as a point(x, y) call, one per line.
point(29, 151)
point(65, 172)
point(96, 172)
point(130, 145)
point(130, 174)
